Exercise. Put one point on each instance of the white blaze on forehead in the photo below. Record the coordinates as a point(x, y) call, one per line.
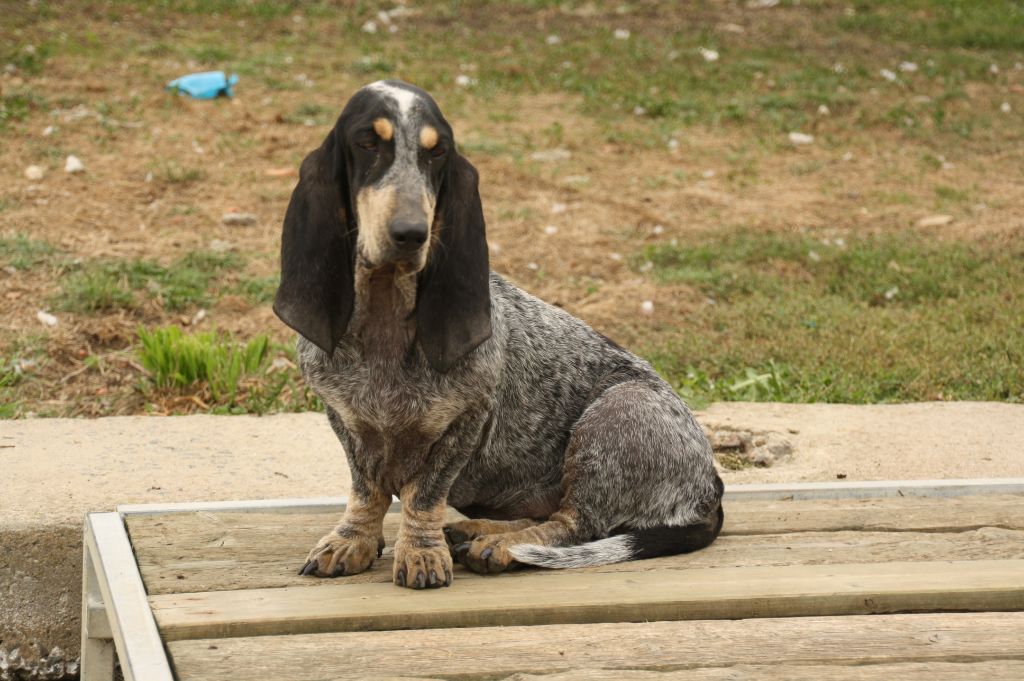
point(404, 98)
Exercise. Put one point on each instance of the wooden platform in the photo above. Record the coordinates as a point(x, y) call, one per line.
point(918, 586)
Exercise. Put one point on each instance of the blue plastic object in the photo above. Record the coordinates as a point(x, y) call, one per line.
point(207, 85)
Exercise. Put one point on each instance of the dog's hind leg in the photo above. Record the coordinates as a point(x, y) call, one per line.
point(462, 531)
point(638, 481)
point(489, 553)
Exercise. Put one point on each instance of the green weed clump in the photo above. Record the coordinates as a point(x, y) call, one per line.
point(176, 360)
point(224, 374)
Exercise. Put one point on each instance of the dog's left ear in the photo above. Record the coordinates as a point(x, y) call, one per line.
point(453, 308)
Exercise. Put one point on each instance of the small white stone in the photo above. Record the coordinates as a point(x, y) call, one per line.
point(552, 40)
point(238, 219)
point(908, 67)
point(673, 144)
point(639, 111)
point(615, 256)
point(708, 174)
point(46, 318)
point(762, 4)
point(149, 176)
point(647, 307)
point(462, 80)
point(73, 165)
point(557, 207)
point(532, 266)
point(708, 54)
point(848, 156)
point(370, 27)
point(49, 130)
point(1005, 107)
point(800, 138)
point(887, 74)
point(658, 229)
point(647, 266)
point(621, 34)
point(838, 68)
point(993, 68)
point(221, 246)
point(935, 221)
point(551, 229)
point(199, 316)
point(823, 110)
point(840, 242)
point(813, 256)
point(35, 173)
point(892, 293)
point(548, 155)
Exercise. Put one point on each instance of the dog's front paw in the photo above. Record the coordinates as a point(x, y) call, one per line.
point(422, 567)
point(485, 555)
point(335, 556)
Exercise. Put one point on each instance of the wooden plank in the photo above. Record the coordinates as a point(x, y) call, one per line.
point(877, 489)
point(1003, 670)
point(215, 560)
point(570, 598)
point(139, 648)
point(216, 551)
point(901, 514)
point(828, 643)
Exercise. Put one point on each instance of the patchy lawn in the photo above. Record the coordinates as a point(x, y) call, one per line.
point(816, 201)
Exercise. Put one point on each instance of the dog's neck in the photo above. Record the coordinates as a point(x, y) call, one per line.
point(383, 319)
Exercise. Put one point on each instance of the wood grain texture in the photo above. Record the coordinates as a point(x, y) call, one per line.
point(569, 598)
point(930, 646)
point(1004, 670)
point(194, 552)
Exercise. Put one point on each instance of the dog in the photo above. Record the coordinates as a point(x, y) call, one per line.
point(449, 386)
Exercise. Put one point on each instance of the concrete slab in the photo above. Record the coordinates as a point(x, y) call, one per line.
point(52, 471)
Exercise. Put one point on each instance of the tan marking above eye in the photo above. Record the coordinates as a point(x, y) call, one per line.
point(428, 137)
point(384, 129)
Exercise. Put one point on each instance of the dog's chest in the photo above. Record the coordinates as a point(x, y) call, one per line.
point(386, 400)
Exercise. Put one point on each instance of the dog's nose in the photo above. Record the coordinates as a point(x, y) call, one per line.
point(408, 236)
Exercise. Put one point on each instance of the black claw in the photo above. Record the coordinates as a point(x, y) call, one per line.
point(486, 553)
point(421, 580)
point(447, 577)
point(400, 577)
point(339, 570)
point(433, 578)
point(308, 569)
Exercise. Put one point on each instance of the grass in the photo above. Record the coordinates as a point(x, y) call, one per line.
point(16, 105)
point(22, 252)
point(99, 286)
point(795, 318)
point(229, 376)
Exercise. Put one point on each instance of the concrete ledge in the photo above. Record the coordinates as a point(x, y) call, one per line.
point(55, 470)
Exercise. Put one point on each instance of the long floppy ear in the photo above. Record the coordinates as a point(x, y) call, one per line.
point(453, 303)
point(316, 294)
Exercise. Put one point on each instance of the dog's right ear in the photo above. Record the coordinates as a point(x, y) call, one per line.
point(316, 294)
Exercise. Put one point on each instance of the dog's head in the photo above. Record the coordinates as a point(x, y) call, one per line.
point(388, 189)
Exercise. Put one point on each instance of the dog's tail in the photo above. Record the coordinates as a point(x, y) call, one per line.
point(630, 545)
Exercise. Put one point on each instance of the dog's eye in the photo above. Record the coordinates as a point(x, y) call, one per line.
point(438, 151)
point(368, 145)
